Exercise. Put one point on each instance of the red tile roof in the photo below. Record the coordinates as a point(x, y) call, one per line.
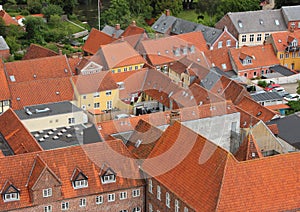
point(274, 128)
point(95, 39)
point(35, 51)
point(262, 56)
point(8, 20)
point(280, 39)
point(21, 170)
point(4, 91)
point(36, 69)
point(41, 92)
point(247, 120)
point(15, 133)
point(219, 57)
point(249, 149)
point(91, 83)
point(133, 34)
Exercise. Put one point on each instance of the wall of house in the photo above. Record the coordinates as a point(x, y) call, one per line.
point(175, 77)
point(255, 42)
point(225, 36)
point(271, 102)
point(55, 121)
point(4, 106)
point(290, 59)
point(218, 129)
point(132, 67)
point(282, 80)
point(91, 206)
point(4, 54)
point(254, 72)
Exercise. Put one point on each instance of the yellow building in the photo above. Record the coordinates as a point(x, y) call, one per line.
point(287, 48)
point(96, 92)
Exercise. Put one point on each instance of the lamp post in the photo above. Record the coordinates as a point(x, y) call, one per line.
point(99, 7)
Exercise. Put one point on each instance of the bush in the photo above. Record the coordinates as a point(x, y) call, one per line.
point(262, 83)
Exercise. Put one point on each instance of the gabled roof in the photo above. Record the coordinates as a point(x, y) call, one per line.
point(37, 69)
point(3, 44)
point(40, 92)
point(16, 135)
point(291, 13)
point(91, 83)
point(133, 34)
point(117, 54)
point(262, 56)
point(280, 39)
point(218, 57)
point(24, 170)
point(35, 51)
point(266, 96)
point(247, 120)
point(8, 20)
point(4, 90)
point(249, 149)
point(163, 23)
point(95, 40)
point(8, 187)
point(112, 31)
point(257, 21)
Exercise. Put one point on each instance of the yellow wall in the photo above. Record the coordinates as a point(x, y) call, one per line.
point(123, 68)
point(287, 61)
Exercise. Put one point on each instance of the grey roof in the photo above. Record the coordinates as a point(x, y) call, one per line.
point(180, 26)
point(3, 44)
point(258, 21)
point(282, 70)
point(220, 72)
point(4, 147)
point(291, 13)
point(112, 30)
point(210, 79)
point(266, 96)
point(78, 135)
point(37, 111)
point(164, 23)
point(288, 128)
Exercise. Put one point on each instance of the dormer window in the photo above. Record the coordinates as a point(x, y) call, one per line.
point(240, 24)
point(192, 49)
point(176, 51)
point(108, 176)
point(184, 50)
point(79, 180)
point(10, 192)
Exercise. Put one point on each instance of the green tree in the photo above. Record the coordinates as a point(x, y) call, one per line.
point(66, 5)
point(13, 44)
point(209, 7)
point(140, 8)
point(52, 9)
point(35, 28)
point(34, 7)
point(2, 27)
point(175, 6)
point(118, 12)
point(262, 83)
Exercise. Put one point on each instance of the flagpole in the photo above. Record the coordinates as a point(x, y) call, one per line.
point(99, 14)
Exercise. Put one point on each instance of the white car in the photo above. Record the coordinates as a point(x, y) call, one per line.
point(292, 97)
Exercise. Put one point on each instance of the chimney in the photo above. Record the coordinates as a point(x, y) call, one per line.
point(167, 12)
point(113, 35)
point(122, 38)
point(60, 52)
point(1, 7)
point(117, 27)
point(174, 116)
point(133, 23)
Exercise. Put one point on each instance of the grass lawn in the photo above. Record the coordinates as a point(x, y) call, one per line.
point(189, 15)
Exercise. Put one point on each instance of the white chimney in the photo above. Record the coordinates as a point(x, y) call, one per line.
point(1, 7)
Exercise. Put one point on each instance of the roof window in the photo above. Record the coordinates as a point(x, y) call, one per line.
point(240, 23)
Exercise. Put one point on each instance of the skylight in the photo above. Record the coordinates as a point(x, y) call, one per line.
point(277, 22)
point(12, 78)
point(240, 24)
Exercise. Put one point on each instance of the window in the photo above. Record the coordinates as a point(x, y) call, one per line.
point(281, 56)
point(244, 38)
point(176, 205)
point(262, 72)
point(65, 206)
point(136, 193)
point(224, 66)
point(84, 96)
point(240, 24)
point(228, 43)
point(109, 105)
point(96, 104)
point(11, 196)
point(80, 184)
point(71, 120)
point(136, 209)
point(168, 200)
point(119, 70)
point(130, 68)
point(158, 193)
point(287, 55)
point(186, 209)
point(150, 186)
point(110, 178)
point(267, 35)
point(251, 37)
point(125, 69)
point(150, 207)
point(258, 37)
point(96, 94)
point(136, 67)
point(299, 25)
point(113, 71)
point(48, 208)
point(254, 74)
point(245, 74)
point(220, 43)
point(82, 202)
point(111, 197)
point(293, 54)
point(277, 22)
point(123, 195)
point(99, 200)
point(123, 210)
point(108, 93)
point(47, 192)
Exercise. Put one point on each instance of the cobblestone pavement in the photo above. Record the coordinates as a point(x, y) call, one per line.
point(291, 88)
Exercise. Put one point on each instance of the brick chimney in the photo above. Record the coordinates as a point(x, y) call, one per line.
point(133, 23)
point(174, 116)
point(117, 27)
point(167, 12)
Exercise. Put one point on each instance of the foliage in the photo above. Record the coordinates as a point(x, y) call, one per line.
point(262, 83)
point(25, 12)
point(13, 44)
point(34, 7)
point(51, 46)
point(280, 3)
point(175, 6)
point(298, 87)
point(295, 107)
point(140, 8)
point(66, 5)
point(52, 9)
point(2, 27)
point(35, 28)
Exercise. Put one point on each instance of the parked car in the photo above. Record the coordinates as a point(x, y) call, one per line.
point(292, 97)
point(271, 87)
point(281, 91)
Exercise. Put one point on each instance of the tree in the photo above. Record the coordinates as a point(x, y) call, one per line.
point(117, 13)
point(140, 8)
point(13, 44)
point(52, 9)
point(175, 6)
point(35, 26)
point(66, 5)
point(34, 7)
point(209, 7)
point(262, 83)
point(298, 87)
point(2, 27)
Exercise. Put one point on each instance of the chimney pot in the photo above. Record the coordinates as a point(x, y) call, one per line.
point(133, 23)
point(167, 12)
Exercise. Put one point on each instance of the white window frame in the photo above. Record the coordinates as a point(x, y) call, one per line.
point(244, 38)
point(111, 197)
point(123, 195)
point(80, 184)
point(48, 208)
point(13, 196)
point(111, 178)
point(65, 206)
point(251, 39)
point(136, 209)
point(71, 120)
point(228, 43)
point(109, 104)
point(220, 44)
point(185, 209)
point(176, 205)
point(150, 186)
point(158, 192)
point(258, 38)
point(108, 93)
point(281, 56)
point(99, 199)
point(47, 192)
point(82, 202)
point(96, 104)
point(136, 193)
point(96, 94)
point(168, 200)
point(150, 207)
